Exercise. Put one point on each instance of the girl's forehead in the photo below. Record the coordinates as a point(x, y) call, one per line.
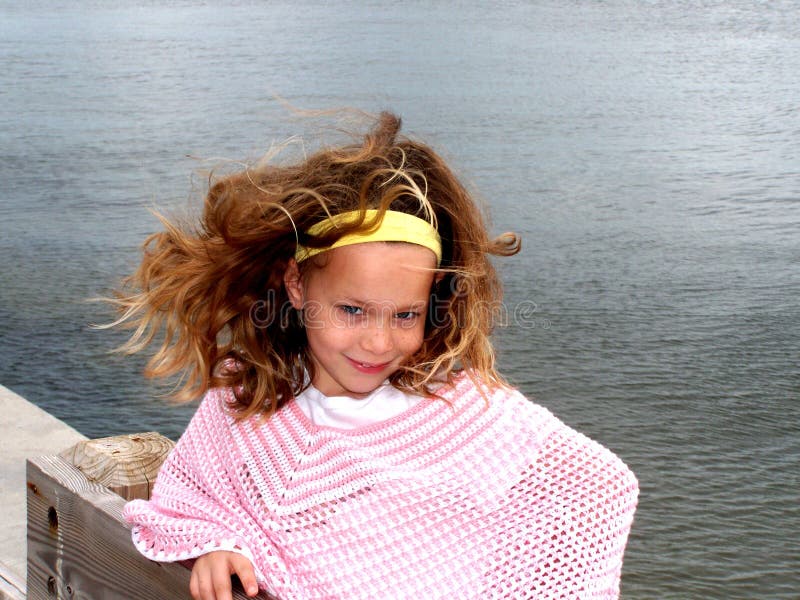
point(376, 266)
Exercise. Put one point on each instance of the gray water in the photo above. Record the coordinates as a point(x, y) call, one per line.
point(647, 152)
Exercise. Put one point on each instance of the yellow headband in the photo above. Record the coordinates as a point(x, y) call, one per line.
point(395, 227)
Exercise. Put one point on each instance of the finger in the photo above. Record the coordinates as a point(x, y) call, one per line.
point(201, 585)
point(200, 582)
point(221, 580)
point(247, 575)
point(194, 584)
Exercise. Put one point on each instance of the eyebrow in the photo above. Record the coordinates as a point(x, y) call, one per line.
point(399, 307)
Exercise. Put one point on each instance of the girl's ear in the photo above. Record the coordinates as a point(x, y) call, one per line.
point(294, 284)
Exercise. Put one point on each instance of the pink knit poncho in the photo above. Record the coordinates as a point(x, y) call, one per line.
point(456, 499)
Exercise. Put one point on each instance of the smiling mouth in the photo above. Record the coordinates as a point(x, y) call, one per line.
point(368, 366)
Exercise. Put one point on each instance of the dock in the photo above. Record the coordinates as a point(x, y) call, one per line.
point(27, 431)
point(62, 532)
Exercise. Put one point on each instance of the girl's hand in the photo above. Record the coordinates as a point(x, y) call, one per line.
point(211, 576)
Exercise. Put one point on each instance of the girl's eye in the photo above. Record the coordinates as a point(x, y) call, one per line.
point(350, 310)
point(407, 315)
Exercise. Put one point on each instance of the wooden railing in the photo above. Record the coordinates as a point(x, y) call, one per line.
point(79, 546)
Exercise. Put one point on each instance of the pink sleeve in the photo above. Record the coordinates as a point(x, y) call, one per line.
point(198, 504)
point(579, 501)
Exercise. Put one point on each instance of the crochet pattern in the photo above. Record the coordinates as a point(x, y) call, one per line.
point(454, 498)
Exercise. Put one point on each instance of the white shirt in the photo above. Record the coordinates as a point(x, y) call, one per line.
point(344, 412)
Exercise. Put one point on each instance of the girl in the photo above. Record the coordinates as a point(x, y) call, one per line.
point(355, 440)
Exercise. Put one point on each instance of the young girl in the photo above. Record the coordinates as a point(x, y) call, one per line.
point(355, 440)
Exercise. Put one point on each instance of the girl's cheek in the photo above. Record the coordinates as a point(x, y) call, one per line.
point(413, 337)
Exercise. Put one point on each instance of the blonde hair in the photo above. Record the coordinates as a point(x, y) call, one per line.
point(214, 298)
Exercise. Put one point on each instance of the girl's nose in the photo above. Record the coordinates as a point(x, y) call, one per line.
point(377, 339)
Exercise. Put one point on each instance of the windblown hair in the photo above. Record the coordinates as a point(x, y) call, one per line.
point(213, 301)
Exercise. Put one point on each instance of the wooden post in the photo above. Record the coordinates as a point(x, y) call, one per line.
point(125, 464)
point(79, 546)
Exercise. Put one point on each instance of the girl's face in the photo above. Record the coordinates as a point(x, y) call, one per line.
point(364, 312)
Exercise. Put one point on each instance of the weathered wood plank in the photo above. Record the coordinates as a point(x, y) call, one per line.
point(11, 588)
point(80, 547)
point(27, 431)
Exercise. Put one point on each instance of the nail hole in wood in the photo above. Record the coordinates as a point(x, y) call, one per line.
point(52, 519)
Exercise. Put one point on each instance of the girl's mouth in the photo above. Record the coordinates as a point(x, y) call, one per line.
point(368, 367)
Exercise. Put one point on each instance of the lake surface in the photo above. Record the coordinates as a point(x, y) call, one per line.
point(647, 152)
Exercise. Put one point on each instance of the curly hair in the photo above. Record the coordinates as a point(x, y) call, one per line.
point(212, 298)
